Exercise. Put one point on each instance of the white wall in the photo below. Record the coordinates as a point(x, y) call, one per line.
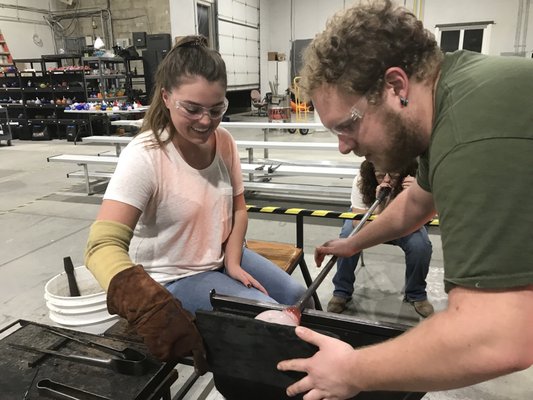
point(182, 18)
point(19, 28)
point(285, 20)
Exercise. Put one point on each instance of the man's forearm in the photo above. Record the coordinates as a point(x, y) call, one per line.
point(477, 338)
point(406, 213)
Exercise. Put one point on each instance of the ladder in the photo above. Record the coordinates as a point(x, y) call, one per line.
point(6, 60)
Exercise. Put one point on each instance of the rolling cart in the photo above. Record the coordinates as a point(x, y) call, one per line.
point(300, 108)
point(278, 109)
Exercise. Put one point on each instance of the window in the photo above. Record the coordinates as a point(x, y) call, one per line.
point(205, 22)
point(449, 41)
point(472, 36)
point(473, 39)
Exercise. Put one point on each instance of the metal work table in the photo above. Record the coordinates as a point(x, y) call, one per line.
point(243, 360)
point(22, 371)
point(92, 114)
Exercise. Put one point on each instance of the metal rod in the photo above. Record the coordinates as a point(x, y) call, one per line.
point(325, 270)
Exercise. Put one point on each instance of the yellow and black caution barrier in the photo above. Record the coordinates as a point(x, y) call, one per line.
point(303, 212)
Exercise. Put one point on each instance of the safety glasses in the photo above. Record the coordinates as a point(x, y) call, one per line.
point(349, 125)
point(195, 112)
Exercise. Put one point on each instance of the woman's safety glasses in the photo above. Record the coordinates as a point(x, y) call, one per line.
point(196, 112)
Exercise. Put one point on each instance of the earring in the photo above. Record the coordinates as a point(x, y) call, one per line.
point(404, 101)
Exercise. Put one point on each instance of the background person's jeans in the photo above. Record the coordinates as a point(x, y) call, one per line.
point(193, 291)
point(417, 248)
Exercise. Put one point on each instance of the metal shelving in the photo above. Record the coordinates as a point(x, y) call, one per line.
point(106, 80)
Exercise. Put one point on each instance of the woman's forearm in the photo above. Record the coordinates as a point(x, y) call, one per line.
point(235, 241)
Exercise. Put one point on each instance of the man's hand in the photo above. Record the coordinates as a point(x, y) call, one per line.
point(323, 382)
point(336, 247)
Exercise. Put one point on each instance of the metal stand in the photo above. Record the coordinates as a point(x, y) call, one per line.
point(6, 134)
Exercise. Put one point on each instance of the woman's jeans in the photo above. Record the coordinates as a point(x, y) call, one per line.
point(193, 291)
point(417, 248)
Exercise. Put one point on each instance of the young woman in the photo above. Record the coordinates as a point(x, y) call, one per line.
point(173, 219)
point(416, 246)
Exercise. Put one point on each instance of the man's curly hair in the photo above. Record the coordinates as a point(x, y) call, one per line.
point(360, 43)
point(368, 183)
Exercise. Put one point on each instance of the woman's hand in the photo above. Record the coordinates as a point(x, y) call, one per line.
point(239, 274)
point(381, 186)
point(407, 181)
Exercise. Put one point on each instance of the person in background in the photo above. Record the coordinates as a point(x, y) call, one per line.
point(380, 82)
point(416, 246)
point(172, 223)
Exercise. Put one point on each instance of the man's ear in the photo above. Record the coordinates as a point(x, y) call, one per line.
point(396, 83)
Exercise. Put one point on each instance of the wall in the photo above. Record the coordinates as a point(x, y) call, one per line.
point(285, 20)
point(127, 16)
point(182, 17)
point(281, 21)
point(26, 32)
point(140, 16)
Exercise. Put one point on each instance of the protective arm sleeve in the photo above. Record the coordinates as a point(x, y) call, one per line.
point(107, 248)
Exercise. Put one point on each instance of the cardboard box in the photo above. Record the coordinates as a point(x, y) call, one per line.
point(272, 56)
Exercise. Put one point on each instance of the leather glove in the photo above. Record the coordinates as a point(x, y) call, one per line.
point(167, 329)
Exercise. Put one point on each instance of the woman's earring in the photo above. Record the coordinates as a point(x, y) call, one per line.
point(404, 101)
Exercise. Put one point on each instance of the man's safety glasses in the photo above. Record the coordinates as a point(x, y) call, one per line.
point(350, 125)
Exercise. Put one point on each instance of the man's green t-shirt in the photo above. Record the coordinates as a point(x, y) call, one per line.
point(479, 168)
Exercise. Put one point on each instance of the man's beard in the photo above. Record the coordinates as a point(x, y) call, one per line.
point(406, 142)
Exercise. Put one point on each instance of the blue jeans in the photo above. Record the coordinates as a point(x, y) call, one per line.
point(193, 291)
point(417, 248)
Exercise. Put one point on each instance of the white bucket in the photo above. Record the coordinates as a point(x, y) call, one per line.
point(88, 312)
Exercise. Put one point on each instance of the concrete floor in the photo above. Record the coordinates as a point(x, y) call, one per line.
point(44, 217)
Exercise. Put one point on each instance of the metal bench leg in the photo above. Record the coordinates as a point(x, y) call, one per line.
point(87, 183)
point(265, 139)
point(250, 160)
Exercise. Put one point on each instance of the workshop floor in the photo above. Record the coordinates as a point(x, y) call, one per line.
point(44, 217)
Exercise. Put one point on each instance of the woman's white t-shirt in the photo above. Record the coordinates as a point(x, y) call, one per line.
point(186, 213)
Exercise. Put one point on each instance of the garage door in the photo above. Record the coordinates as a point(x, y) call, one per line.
point(238, 40)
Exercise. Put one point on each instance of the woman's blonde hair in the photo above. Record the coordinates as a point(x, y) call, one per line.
point(190, 57)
